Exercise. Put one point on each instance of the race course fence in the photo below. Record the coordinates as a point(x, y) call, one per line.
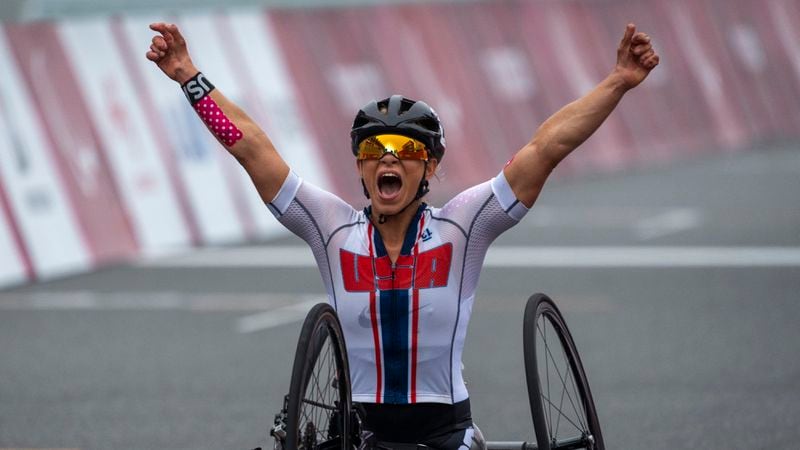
point(103, 161)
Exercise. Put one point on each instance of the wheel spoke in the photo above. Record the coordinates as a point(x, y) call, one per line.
point(564, 411)
point(563, 380)
point(319, 403)
point(582, 413)
point(324, 416)
point(549, 402)
point(315, 390)
point(318, 396)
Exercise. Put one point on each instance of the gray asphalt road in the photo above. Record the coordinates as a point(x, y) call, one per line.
point(161, 357)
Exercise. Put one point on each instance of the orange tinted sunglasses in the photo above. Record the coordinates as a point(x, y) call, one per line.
point(402, 147)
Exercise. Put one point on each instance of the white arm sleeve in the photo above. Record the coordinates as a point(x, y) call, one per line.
point(311, 213)
point(482, 213)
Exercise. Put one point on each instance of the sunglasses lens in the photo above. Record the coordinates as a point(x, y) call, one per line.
point(403, 147)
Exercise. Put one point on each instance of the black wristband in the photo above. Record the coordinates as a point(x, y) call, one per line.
point(197, 87)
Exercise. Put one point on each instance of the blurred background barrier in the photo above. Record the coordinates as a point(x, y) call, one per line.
point(103, 161)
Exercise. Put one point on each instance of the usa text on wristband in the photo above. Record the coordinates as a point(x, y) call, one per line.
point(197, 87)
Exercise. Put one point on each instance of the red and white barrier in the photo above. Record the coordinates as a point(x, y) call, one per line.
point(12, 264)
point(73, 143)
point(103, 160)
point(49, 233)
point(135, 164)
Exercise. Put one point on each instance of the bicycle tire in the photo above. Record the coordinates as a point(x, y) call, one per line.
point(541, 358)
point(319, 402)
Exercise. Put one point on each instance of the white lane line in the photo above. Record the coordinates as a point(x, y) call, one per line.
point(527, 256)
point(669, 222)
point(644, 257)
point(275, 256)
point(276, 317)
point(149, 301)
point(275, 309)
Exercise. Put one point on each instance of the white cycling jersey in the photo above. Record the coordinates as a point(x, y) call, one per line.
point(404, 323)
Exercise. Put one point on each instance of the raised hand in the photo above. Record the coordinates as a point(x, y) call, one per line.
point(635, 57)
point(168, 50)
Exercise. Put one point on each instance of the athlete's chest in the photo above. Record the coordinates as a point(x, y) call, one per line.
point(425, 259)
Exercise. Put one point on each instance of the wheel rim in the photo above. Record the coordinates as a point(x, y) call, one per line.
point(319, 420)
point(562, 400)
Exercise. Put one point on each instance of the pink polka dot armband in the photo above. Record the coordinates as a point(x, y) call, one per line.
point(217, 122)
point(197, 90)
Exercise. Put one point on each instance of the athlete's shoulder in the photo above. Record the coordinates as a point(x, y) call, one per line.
point(467, 200)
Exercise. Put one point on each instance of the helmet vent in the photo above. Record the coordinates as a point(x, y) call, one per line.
point(405, 105)
point(383, 107)
point(360, 121)
point(429, 123)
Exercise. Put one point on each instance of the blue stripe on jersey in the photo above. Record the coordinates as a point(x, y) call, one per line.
point(394, 319)
point(394, 330)
point(411, 233)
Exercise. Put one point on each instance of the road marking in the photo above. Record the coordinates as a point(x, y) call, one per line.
point(516, 256)
point(669, 222)
point(149, 301)
point(643, 257)
point(606, 217)
point(275, 256)
point(276, 317)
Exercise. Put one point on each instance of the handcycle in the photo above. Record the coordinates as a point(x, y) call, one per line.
point(318, 412)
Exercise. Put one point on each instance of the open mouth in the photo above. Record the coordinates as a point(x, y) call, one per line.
point(389, 185)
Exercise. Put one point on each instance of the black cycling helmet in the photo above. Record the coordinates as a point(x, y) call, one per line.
point(400, 115)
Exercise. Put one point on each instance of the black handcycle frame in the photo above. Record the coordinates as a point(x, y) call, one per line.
point(322, 341)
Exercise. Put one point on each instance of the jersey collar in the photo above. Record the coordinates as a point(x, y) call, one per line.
point(412, 233)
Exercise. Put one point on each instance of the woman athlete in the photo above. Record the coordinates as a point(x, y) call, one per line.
point(401, 274)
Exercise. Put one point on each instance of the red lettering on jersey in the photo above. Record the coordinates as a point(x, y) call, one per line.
point(432, 270)
point(433, 267)
point(356, 272)
point(400, 277)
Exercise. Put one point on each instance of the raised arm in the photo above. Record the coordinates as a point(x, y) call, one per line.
point(565, 130)
point(237, 132)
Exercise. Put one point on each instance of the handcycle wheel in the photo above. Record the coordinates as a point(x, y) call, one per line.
point(318, 404)
point(564, 416)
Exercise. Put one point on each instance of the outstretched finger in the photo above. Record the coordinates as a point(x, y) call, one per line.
point(158, 26)
point(168, 37)
point(164, 29)
point(176, 34)
point(630, 29)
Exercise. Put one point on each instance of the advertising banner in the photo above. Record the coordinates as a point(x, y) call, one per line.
point(103, 159)
point(211, 53)
point(764, 66)
point(35, 193)
point(83, 168)
point(12, 265)
point(271, 99)
point(341, 59)
point(708, 66)
point(657, 115)
point(129, 145)
point(497, 70)
point(785, 14)
point(185, 138)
